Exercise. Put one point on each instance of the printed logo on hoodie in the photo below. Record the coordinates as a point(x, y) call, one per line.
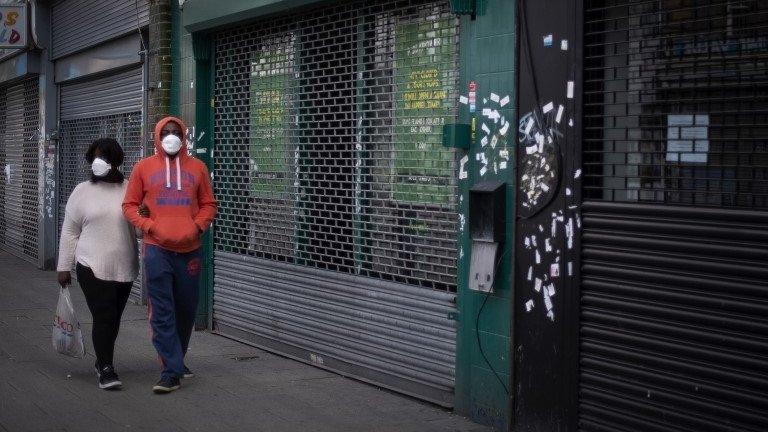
point(172, 196)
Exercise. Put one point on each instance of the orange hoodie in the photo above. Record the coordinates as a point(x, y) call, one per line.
point(177, 192)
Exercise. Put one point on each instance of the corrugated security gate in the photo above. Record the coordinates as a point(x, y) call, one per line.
point(107, 20)
point(336, 237)
point(19, 200)
point(674, 297)
point(109, 106)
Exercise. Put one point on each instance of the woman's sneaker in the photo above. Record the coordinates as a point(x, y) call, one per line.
point(108, 379)
point(166, 385)
point(188, 373)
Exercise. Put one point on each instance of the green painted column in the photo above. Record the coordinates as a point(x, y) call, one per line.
point(488, 61)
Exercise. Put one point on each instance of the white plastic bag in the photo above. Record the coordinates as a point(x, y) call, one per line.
point(67, 336)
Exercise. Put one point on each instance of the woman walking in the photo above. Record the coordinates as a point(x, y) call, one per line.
point(97, 237)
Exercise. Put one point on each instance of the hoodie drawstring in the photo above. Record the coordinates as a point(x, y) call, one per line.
point(178, 174)
point(168, 174)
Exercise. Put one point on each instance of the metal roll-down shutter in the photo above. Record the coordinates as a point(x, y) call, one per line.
point(108, 106)
point(107, 20)
point(19, 137)
point(336, 237)
point(674, 295)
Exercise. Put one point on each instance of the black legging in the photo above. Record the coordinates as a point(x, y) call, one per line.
point(106, 300)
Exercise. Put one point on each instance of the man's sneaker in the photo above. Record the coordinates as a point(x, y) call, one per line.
point(188, 373)
point(166, 385)
point(108, 379)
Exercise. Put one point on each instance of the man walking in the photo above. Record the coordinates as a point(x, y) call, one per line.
point(176, 189)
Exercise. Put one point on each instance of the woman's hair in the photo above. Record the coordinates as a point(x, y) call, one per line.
point(111, 152)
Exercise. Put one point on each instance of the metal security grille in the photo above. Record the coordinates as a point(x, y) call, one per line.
point(78, 134)
point(676, 102)
point(674, 264)
point(109, 19)
point(19, 214)
point(334, 188)
point(328, 133)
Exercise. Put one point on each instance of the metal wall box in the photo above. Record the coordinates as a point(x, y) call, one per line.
point(468, 7)
point(487, 207)
point(457, 136)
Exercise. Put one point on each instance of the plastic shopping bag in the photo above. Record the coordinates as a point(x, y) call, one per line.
point(67, 336)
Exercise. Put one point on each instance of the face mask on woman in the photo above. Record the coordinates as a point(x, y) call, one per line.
point(100, 167)
point(171, 144)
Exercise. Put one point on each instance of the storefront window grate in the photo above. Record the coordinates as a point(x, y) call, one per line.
point(19, 138)
point(328, 132)
point(76, 135)
point(676, 102)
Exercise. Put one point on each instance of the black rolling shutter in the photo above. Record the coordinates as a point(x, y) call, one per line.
point(674, 295)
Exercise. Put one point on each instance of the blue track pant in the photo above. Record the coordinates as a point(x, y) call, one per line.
point(173, 281)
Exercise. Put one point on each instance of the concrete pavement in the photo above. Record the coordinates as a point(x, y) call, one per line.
point(237, 387)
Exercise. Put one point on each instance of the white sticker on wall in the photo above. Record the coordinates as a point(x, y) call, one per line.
point(504, 129)
point(559, 115)
point(462, 167)
point(554, 270)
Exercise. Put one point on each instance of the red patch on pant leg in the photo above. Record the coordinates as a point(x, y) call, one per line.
point(193, 267)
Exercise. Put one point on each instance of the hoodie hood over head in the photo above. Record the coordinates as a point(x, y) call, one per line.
point(160, 152)
point(180, 199)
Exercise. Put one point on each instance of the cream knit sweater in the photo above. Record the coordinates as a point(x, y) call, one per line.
point(97, 235)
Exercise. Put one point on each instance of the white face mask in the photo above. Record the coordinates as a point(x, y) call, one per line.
point(171, 144)
point(100, 167)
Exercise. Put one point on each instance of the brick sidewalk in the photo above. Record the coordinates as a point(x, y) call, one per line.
point(237, 387)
